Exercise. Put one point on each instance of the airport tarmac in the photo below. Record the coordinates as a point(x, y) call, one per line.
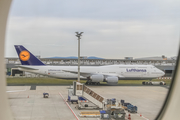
point(30, 104)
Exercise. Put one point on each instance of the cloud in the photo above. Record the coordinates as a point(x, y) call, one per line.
point(112, 29)
point(102, 9)
point(102, 38)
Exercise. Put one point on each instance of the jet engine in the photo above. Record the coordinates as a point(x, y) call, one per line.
point(112, 80)
point(97, 78)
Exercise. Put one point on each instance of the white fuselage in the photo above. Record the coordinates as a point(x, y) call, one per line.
point(138, 72)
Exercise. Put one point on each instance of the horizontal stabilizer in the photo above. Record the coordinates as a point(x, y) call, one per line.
point(26, 67)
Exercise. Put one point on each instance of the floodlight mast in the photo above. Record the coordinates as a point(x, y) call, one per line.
point(79, 37)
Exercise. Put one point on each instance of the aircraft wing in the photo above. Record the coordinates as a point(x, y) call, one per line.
point(120, 76)
point(86, 74)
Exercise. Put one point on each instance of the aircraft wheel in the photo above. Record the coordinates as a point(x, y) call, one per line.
point(143, 83)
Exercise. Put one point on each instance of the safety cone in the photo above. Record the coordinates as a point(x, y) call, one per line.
point(140, 115)
point(129, 117)
point(28, 96)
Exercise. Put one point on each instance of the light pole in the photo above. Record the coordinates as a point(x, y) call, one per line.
point(79, 37)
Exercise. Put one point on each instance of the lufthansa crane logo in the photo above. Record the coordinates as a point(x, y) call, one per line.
point(24, 55)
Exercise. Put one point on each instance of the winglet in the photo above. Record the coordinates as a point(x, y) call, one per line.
point(26, 57)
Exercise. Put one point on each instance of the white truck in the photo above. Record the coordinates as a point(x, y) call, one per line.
point(154, 83)
point(73, 99)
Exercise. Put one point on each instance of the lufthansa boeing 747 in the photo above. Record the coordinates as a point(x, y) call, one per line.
point(93, 74)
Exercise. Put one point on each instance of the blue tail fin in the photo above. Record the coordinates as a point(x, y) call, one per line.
point(26, 57)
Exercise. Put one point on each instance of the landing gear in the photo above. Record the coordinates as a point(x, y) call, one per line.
point(92, 83)
point(97, 83)
point(147, 83)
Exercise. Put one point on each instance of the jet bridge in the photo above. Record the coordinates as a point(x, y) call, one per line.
point(86, 92)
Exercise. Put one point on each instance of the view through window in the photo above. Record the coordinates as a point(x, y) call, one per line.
point(128, 52)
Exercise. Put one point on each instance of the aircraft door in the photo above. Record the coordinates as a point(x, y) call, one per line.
point(144, 74)
point(149, 72)
point(45, 72)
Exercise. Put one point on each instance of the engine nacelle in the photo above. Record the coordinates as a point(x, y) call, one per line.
point(97, 78)
point(112, 80)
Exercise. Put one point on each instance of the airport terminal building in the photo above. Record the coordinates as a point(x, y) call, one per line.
point(163, 63)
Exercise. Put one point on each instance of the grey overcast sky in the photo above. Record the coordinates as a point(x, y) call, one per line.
point(112, 28)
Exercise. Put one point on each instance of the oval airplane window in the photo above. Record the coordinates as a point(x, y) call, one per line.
point(127, 52)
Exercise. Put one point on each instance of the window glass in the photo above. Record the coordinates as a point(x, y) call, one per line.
point(128, 52)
